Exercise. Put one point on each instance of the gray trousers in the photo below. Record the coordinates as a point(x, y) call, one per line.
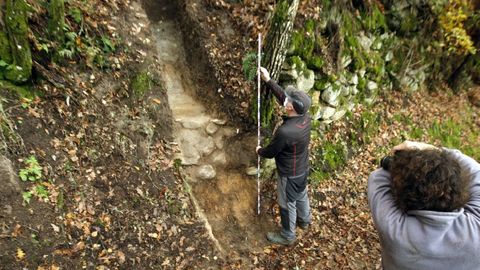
point(294, 205)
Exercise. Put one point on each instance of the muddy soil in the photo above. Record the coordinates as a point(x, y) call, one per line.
point(213, 153)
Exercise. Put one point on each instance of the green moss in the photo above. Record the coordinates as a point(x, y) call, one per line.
point(315, 63)
point(141, 83)
point(281, 12)
point(310, 26)
point(5, 50)
point(303, 42)
point(320, 84)
point(16, 16)
point(308, 46)
point(317, 176)
point(334, 154)
point(267, 112)
point(56, 21)
point(362, 84)
point(349, 23)
point(328, 157)
point(297, 62)
point(22, 91)
point(352, 42)
point(17, 27)
point(374, 20)
point(358, 63)
point(296, 42)
point(448, 132)
point(249, 65)
point(408, 24)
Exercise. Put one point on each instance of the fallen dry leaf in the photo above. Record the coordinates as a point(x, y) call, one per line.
point(121, 257)
point(20, 254)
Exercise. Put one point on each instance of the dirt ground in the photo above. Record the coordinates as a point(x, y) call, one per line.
point(115, 201)
point(228, 201)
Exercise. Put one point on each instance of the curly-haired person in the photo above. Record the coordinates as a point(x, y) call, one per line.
point(426, 209)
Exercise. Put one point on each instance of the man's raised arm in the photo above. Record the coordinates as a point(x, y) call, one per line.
point(273, 85)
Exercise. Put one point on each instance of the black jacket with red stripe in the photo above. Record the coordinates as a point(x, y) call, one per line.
point(290, 142)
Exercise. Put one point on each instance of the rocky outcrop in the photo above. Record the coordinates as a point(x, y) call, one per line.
point(9, 185)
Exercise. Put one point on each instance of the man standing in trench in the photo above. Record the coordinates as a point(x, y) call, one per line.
point(289, 147)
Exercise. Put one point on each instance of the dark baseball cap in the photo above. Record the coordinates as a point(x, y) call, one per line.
point(300, 100)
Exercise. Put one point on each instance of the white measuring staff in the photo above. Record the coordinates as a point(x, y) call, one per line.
point(258, 118)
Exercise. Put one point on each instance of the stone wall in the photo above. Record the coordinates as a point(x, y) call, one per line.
point(347, 56)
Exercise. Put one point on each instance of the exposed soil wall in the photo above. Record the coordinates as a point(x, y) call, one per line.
point(207, 32)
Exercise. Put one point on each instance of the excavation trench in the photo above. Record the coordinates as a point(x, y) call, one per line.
point(214, 157)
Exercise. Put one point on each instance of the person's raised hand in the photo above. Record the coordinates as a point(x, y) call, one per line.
point(264, 74)
point(258, 148)
point(411, 145)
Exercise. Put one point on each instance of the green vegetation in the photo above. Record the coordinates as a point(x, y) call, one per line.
point(20, 69)
point(303, 43)
point(456, 134)
point(374, 20)
point(391, 46)
point(177, 163)
point(33, 173)
point(366, 126)
point(141, 83)
point(452, 20)
point(5, 51)
point(416, 133)
point(249, 66)
point(334, 154)
point(56, 22)
point(315, 63)
point(330, 155)
point(65, 37)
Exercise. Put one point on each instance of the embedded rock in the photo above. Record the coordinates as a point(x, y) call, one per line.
point(330, 96)
point(211, 128)
point(8, 179)
point(206, 172)
point(324, 112)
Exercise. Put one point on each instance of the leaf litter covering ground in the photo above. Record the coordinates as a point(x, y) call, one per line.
point(107, 211)
point(158, 228)
point(112, 202)
point(343, 236)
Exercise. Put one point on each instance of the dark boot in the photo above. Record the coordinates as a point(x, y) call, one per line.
point(303, 225)
point(277, 238)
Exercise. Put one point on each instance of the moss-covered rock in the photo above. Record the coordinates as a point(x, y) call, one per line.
point(408, 24)
point(297, 63)
point(22, 91)
point(308, 46)
point(5, 53)
point(303, 42)
point(374, 20)
point(17, 26)
point(320, 84)
point(316, 63)
point(296, 41)
point(5, 50)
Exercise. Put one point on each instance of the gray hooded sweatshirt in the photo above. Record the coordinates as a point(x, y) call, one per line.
point(426, 240)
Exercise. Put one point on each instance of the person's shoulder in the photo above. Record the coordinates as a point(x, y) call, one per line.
point(379, 174)
point(282, 130)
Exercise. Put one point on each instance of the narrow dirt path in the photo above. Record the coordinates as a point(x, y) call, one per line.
point(214, 157)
